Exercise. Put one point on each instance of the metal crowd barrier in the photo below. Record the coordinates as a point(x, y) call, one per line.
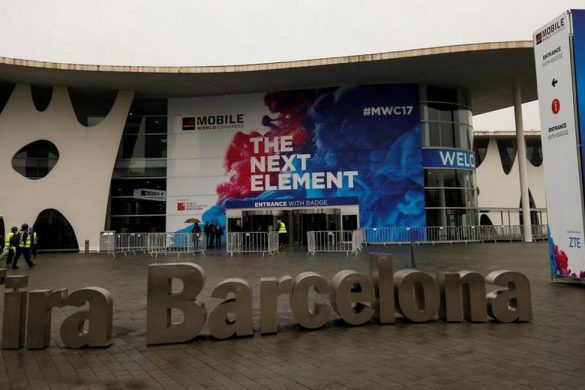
point(156, 243)
point(335, 241)
point(450, 234)
point(252, 242)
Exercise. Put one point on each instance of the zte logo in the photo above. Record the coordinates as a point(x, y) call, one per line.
point(387, 111)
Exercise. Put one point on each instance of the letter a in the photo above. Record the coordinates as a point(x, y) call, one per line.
point(513, 304)
point(91, 327)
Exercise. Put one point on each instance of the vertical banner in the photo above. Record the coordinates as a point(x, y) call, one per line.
point(332, 145)
point(560, 144)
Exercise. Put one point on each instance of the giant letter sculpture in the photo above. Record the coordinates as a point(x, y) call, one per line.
point(513, 304)
point(14, 321)
point(160, 329)
point(40, 308)
point(233, 315)
point(98, 317)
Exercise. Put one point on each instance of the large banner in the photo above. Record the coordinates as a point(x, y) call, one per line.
point(560, 140)
point(306, 147)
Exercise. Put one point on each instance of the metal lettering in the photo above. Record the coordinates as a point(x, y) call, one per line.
point(319, 314)
point(381, 274)
point(160, 329)
point(40, 309)
point(14, 321)
point(352, 297)
point(75, 333)
point(270, 289)
point(462, 296)
point(417, 295)
point(233, 315)
point(513, 304)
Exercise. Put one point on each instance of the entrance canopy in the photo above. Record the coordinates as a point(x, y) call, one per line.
point(487, 70)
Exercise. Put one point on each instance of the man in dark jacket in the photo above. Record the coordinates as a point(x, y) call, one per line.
point(23, 247)
point(218, 234)
point(196, 232)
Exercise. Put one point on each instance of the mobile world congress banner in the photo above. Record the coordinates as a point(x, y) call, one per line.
point(559, 49)
point(305, 147)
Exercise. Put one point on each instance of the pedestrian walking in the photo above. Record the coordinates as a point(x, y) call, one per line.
point(10, 243)
point(23, 248)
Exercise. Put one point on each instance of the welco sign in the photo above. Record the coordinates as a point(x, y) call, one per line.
point(356, 298)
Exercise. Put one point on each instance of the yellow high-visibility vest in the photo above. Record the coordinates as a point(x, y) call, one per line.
point(7, 241)
point(282, 228)
point(23, 243)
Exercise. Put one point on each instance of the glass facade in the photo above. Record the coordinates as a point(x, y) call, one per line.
point(138, 187)
point(450, 194)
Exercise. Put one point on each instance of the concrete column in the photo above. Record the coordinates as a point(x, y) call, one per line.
point(522, 162)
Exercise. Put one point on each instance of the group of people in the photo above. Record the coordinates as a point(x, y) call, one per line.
point(20, 243)
point(213, 233)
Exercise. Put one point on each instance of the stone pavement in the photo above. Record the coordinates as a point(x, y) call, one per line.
point(547, 353)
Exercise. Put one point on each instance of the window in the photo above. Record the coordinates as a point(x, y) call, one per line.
point(480, 147)
point(534, 150)
point(138, 187)
point(91, 105)
point(35, 160)
point(507, 150)
point(440, 178)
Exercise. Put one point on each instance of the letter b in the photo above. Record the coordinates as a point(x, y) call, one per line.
point(160, 329)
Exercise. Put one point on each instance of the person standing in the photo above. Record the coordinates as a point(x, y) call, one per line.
point(11, 242)
point(207, 231)
point(211, 238)
point(23, 248)
point(218, 234)
point(196, 233)
point(282, 233)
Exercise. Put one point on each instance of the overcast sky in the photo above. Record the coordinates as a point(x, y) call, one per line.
point(219, 32)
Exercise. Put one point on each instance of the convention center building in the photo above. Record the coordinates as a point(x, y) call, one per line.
point(379, 140)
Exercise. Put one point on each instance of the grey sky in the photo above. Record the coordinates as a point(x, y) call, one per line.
point(214, 32)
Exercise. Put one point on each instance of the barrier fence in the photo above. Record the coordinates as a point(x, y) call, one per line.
point(153, 243)
point(346, 241)
point(450, 234)
point(252, 242)
point(334, 241)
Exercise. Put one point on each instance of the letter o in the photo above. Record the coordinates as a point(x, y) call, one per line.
point(417, 294)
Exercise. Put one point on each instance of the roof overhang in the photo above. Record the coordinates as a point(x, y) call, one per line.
point(487, 70)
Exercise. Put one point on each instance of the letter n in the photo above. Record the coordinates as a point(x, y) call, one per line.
point(462, 296)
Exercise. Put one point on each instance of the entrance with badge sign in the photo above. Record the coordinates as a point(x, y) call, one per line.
point(297, 221)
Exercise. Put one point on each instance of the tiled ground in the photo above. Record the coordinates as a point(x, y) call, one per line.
point(547, 353)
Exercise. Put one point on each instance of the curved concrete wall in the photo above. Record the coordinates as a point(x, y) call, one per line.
point(78, 186)
point(498, 190)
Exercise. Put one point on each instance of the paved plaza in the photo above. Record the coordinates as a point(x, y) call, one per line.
point(546, 353)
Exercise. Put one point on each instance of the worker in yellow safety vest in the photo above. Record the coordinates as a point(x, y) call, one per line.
point(10, 242)
point(23, 247)
point(282, 233)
